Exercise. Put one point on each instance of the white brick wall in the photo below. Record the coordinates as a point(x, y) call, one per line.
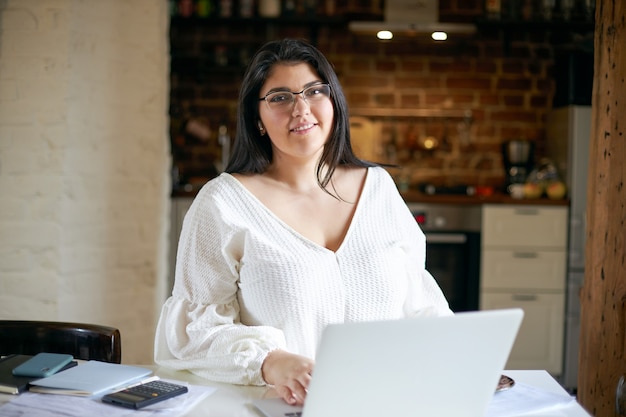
point(84, 162)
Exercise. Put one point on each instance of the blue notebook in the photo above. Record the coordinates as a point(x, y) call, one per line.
point(92, 378)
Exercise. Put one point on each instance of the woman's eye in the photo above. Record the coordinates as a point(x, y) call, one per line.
point(280, 98)
point(313, 92)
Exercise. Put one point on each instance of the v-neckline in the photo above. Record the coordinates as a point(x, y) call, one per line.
point(296, 233)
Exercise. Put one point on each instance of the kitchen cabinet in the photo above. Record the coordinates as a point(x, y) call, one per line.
point(180, 206)
point(557, 32)
point(206, 48)
point(523, 264)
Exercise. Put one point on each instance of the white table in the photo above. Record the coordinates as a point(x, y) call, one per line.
point(235, 401)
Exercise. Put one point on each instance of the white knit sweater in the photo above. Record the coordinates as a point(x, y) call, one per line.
point(247, 283)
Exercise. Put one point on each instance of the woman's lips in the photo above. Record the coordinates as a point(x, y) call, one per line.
point(302, 128)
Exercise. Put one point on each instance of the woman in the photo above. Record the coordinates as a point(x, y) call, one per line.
point(296, 234)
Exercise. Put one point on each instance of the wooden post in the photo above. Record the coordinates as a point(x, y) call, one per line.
point(602, 357)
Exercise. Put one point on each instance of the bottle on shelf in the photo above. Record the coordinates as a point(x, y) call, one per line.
point(289, 8)
point(329, 7)
point(204, 8)
point(566, 9)
point(221, 55)
point(185, 8)
point(546, 9)
point(269, 8)
point(246, 8)
point(173, 6)
point(225, 8)
point(527, 10)
point(310, 7)
point(512, 10)
point(493, 9)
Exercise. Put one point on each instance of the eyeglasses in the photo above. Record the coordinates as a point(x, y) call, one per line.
point(283, 101)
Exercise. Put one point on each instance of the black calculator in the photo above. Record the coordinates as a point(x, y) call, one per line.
point(145, 394)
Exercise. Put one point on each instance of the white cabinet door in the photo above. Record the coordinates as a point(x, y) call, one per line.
point(539, 341)
point(523, 264)
point(180, 205)
point(524, 226)
point(523, 268)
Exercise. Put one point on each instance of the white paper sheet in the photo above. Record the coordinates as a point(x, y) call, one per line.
point(53, 405)
point(523, 399)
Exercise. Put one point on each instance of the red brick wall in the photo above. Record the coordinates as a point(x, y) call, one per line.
point(503, 77)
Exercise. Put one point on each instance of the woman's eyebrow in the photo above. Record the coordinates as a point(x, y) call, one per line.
point(286, 89)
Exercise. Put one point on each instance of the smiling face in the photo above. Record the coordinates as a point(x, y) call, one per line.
point(300, 131)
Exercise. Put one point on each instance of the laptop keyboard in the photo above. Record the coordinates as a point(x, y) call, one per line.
point(294, 414)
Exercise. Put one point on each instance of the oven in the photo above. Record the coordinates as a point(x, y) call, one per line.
point(452, 250)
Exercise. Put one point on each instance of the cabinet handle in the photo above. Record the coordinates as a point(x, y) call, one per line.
point(525, 255)
point(527, 211)
point(524, 297)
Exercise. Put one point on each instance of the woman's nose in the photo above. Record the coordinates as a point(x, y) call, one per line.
point(300, 105)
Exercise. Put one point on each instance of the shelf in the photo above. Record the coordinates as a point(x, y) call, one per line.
point(536, 25)
point(412, 113)
point(312, 23)
point(282, 20)
point(560, 32)
point(192, 65)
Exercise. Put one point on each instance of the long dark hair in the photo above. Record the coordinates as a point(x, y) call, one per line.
point(252, 153)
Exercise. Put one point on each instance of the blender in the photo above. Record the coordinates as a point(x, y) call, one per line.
point(517, 156)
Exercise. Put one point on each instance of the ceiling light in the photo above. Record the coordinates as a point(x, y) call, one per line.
point(439, 36)
point(384, 35)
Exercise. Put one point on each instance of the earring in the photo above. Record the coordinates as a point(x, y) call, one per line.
point(261, 129)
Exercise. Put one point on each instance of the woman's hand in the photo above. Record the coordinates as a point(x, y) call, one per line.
point(289, 373)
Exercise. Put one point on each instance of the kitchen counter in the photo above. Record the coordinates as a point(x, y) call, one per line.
point(414, 196)
point(462, 199)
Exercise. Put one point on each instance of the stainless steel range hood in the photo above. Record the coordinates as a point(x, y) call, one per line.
point(411, 17)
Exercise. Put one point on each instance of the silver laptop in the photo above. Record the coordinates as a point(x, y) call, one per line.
point(430, 366)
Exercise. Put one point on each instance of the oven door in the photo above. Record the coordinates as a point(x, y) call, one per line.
point(453, 259)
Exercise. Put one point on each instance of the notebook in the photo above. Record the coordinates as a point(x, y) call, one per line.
point(91, 378)
point(430, 366)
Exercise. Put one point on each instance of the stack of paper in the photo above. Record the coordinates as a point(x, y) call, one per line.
point(41, 405)
point(523, 399)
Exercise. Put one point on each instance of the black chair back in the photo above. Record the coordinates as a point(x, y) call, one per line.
point(83, 341)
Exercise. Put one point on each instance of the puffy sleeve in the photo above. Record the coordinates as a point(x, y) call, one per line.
point(424, 295)
point(199, 328)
